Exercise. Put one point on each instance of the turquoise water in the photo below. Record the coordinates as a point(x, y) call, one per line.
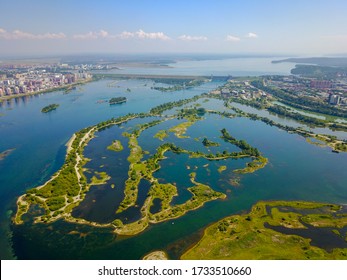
point(296, 170)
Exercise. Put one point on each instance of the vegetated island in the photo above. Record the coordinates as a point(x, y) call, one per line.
point(115, 146)
point(49, 108)
point(178, 84)
point(209, 143)
point(117, 100)
point(275, 230)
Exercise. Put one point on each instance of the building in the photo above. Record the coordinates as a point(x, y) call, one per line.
point(334, 99)
point(320, 84)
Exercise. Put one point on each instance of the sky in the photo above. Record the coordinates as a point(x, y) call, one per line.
point(41, 27)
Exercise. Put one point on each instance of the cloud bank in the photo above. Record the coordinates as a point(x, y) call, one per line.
point(20, 35)
point(192, 38)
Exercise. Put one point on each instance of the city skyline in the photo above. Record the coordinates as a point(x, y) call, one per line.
point(262, 27)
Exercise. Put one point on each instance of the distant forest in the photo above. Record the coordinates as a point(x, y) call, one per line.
point(321, 61)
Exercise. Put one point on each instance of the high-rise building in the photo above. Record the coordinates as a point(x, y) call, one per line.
point(334, 99)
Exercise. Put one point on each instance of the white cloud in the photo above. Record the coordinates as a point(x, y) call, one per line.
point(251, 35)
point(144, 35)
point(93, 35)
point(152, 35)
point(103, 34)
point(18, 35)
point(126, 35)
point(231, 38)
point(192, 38)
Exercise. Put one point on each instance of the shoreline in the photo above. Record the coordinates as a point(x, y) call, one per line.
point(66, 87)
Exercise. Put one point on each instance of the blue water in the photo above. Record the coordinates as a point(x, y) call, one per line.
point(217, 67)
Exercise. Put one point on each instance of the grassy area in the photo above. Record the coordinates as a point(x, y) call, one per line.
point(100, 178)
point(67, 187)
point(246, 237)
point(201, 194)
point(116, 146)
point(180, 129)
point(254, 165)
point(161, 135)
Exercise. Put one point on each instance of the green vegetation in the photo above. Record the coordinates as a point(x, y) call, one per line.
point(283, 111)
point(247, 236)
point(325, 72)
point(180, 129)
point(201, 194)
point(158, 110)
point(328, 140)
point(341, 146)
point(161, 135)
point(67, 188)
point(49, 108)
point(208, 143)
point(116, 146)
point(222, 168)
point(100, 178)
point(179, 85)
point(137, 168)
point(117, 100)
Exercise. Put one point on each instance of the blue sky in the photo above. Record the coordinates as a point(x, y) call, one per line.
point(306, 27)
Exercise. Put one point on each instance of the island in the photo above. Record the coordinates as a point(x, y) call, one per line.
point(115, 146)
point(208, 143)
point(49, 108)
point(117, 100)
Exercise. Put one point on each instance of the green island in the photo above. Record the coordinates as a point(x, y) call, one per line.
point(271, 230)
point(115, 146)
point(209, 143)
point(117, 100)
point(176, 85)
point(49, 108)
point(222, 168)
point(161, 135)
